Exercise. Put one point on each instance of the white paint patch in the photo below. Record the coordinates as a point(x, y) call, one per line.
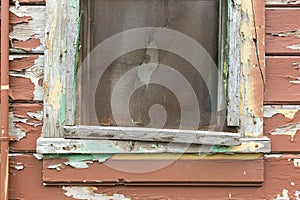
point(297, 162)
point(290, 129)
point(78, 165)
point(57, 167)
point(36, 115)
point(38, 156)
point(19, 167)
point(294, 47)
point(88, 193)
point(288, 111)
point(284, 195)
point(13, 130)
point(297, 194)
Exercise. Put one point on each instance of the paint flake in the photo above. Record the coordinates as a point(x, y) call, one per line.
point(89, 193)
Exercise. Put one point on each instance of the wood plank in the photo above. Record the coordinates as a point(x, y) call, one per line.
point(281, 180)
point(282, 80)
point(281, 125)
point(282, 31)
point(27, 29)
point(60, 59)
point(67, 146)
point(234, 60)
point(26, 77)
point(252, 67)
point(153, 135)
point(164, 172)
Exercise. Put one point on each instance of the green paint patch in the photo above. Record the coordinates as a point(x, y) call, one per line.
point(219, 149)
point(62, 111)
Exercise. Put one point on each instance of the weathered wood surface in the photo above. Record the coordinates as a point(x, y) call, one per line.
point(252, 67)
point(26, 77)
point(282, 126)
point(27, 25)
point(281, 180)
point(234, 61)
point(60, 56)
point(282, 80)
point(153, 135)
point(25, 122)
point(282, 31)
point(161, 169)
point(66, 146)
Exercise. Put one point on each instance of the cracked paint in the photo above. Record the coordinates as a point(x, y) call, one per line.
point(288, 111)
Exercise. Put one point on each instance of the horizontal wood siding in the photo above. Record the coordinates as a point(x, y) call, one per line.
point(281, 182)
point(282, 89)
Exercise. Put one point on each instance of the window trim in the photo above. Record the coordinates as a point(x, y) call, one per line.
point(245, 88)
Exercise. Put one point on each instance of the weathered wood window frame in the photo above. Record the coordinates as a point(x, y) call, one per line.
point(242, 65)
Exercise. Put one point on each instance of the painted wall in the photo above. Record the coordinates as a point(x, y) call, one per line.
point(281, 112)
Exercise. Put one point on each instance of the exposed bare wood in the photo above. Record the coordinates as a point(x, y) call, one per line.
point(62, 20)
point(66, 146)
point(234, 62)
point(150, 134)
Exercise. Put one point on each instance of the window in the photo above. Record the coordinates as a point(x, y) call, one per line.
point(233, 44)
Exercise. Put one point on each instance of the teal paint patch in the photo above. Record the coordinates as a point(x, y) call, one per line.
point(73, 3)
point(72, 158)
point(62, 111)
point(219, 149)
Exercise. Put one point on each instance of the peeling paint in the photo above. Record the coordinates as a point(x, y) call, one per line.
point(294, 47)
point(38, 156)
point(288, 111)
point(296, 162)
point(290, 129)
point(287, 33)
point(89, 193)
point(19, 167)
point(57, 167)
point(55, 95)
point(297, 194)
point(78, 161)
point(283, 196)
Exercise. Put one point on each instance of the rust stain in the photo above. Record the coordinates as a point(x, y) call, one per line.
point(27, 45)
point(20, 64)
point(21, 88)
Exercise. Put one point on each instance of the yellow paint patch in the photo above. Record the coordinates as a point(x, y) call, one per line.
point(250, 146)
point(55, 95)
point(288, 113)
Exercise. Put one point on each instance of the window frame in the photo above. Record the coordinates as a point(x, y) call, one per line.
point(243, 58)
